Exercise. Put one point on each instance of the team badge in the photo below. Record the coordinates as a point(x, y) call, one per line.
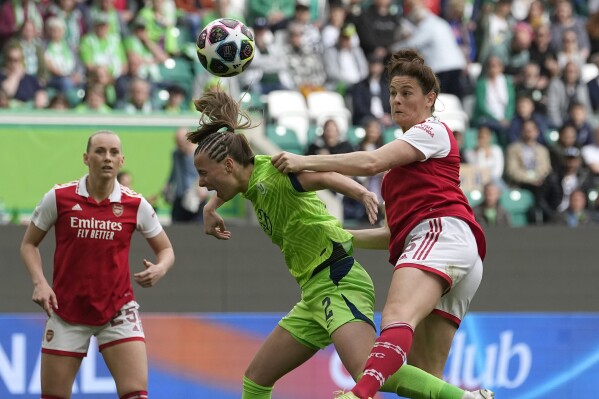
point(49, 335)
point(117, 209)
point(261, 188)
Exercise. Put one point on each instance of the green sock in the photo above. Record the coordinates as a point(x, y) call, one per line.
point(251, 390)
point(412, 382)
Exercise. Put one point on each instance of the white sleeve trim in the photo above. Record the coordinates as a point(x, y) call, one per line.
point(430, 138)
point(147, 221)
point(45, 213)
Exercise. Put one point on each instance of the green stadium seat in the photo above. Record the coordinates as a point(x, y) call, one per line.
point(517, 202)
point(355, 134)
point(177, 70)
point(391, 134)
point(475, 197)
point(285, 138)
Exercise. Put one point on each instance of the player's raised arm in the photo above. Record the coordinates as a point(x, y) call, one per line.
point(313, 181)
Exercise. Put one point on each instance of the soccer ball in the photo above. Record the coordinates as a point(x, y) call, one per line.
point(225, 47)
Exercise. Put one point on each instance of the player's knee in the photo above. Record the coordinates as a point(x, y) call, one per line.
point(135, 395)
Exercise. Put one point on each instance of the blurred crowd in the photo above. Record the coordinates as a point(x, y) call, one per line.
point(524, 71)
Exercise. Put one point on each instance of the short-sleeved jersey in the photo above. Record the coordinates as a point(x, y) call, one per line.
point(297, 221)
point(427, 189)
point(91, 262)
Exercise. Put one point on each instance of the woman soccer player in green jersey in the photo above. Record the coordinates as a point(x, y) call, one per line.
point(337, 294)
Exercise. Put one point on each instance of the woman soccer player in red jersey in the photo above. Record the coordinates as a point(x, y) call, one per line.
point(434, 242)
point(91, 294)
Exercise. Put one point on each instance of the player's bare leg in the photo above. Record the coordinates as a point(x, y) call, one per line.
point(128, 364)
point(353, 342)
point(431, 344)
point(58, 374)
point(278, 355)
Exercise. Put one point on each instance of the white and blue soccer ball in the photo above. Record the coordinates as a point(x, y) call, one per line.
point(225, 47)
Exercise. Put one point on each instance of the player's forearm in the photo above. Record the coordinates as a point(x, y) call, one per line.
point(344, 185)
point(166, 258)
point(359, 163)
point(371, 238)
point(213, 203)
point(33, 262)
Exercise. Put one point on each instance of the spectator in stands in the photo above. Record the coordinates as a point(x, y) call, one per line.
point(434, 39)
point(73, 17)
point(306, 66)
point(14, 13)
point(590, 156)
point(33, 50)
point(336, 21)
point(377, 26)
point(566, 139)
point(176, 102)
point(138, 44)
point(495, 98)
point(537, 15)
point(125, 179)
point(592, 26)
point(527, 162)
point(273, 11)
point(577, 214)
point(530, 83)
point(116, 25)
point(58, 102)
point(577, 116)
point(94, 101)
point(490, 212)
point(61, 61)
point(100, 49)
point(570, 51)
point(302, 19)
point(330, 142)
point(139, 98)
point(159, 20)
point(181, 190)
point(495, 32)
point(593, 86)
point(564, 19)
point(543, 53)
point(19, 86)
point(487, 156)
point(345, 65)
point(222, 9)
point(562, 92)
point(269, 70)
point(559, 185)
point(370, 97)
point(462, 29)
point(525, 110)
point(519, 52)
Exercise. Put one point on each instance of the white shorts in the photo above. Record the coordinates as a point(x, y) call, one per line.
point(66, 339)
point(446, 247)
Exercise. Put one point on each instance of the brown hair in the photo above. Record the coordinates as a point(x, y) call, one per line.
point(215, 135)
point(409, 62)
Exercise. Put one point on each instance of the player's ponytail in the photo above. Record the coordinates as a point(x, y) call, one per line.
point(220, 117)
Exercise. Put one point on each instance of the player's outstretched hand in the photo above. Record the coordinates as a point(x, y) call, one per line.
point(287, 162)
point(44, 296)
point(150, 276)
point(214, 225)
point(371, 203)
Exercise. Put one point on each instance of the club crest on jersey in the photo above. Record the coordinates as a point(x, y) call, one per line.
point(261, 188)
point(49, 335)
point(117, 209)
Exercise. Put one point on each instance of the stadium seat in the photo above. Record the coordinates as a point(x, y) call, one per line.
point(285, 138)
point(588, 72)
point(518, 203)
point(177, 70)
point(323, 105)
point(391, 134)
point(474, 70)
point(475, 197)
point(355, 134)
point(285, 102)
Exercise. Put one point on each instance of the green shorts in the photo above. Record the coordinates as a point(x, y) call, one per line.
point(340, 294)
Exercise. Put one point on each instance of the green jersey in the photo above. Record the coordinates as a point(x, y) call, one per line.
point(297, 221)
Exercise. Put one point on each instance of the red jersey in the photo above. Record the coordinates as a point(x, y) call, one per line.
point(427, 189)
point(91, 277)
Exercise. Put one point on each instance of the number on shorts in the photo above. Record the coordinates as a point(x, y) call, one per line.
point(327, 312)
point(130, 316)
